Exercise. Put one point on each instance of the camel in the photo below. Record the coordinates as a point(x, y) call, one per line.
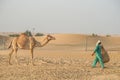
point(25, 42)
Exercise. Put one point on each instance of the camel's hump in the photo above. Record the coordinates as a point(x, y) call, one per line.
point(23, 40)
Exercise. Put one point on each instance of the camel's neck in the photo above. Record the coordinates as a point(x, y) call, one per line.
point(45, 41)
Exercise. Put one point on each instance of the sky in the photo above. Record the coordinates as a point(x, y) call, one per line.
point(60, 16)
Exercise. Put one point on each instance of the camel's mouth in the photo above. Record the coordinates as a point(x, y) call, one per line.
point(51, 37)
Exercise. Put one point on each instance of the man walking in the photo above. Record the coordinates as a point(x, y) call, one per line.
point(98, 57)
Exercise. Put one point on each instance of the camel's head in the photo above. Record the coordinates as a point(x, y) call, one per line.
point(49, 37)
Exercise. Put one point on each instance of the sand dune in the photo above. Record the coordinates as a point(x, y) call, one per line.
point(81, 40)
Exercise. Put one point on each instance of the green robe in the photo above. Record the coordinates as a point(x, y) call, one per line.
point(98, 57)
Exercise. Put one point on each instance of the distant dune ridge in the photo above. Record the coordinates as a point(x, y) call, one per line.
point(89, 41)
point(3, 41)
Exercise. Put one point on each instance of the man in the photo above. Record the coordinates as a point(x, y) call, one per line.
point(98, 54)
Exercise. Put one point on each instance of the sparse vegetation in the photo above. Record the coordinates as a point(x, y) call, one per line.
point(14, 35)
point(39, 34)
point(28, 33)
point(94, 35)
point(108, 35)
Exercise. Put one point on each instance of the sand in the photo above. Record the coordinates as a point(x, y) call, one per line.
point(56, 61)
point(58, 65)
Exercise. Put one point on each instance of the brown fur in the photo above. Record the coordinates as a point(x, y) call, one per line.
point(26, 42)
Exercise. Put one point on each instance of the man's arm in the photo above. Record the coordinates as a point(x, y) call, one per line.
point(95, 50)
point(93, 53)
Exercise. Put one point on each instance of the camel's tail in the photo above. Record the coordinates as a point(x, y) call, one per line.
point(9, 45)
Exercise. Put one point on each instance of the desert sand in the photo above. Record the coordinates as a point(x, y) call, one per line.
point(66, 58)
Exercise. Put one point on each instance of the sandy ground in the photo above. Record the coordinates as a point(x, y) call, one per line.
point(58, 64)
point(63, 59)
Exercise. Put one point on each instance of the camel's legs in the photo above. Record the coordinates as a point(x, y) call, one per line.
point(32, 56)
point(15, 52)
point(10, 54)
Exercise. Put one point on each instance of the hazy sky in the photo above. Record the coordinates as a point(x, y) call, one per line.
point(60, 16)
